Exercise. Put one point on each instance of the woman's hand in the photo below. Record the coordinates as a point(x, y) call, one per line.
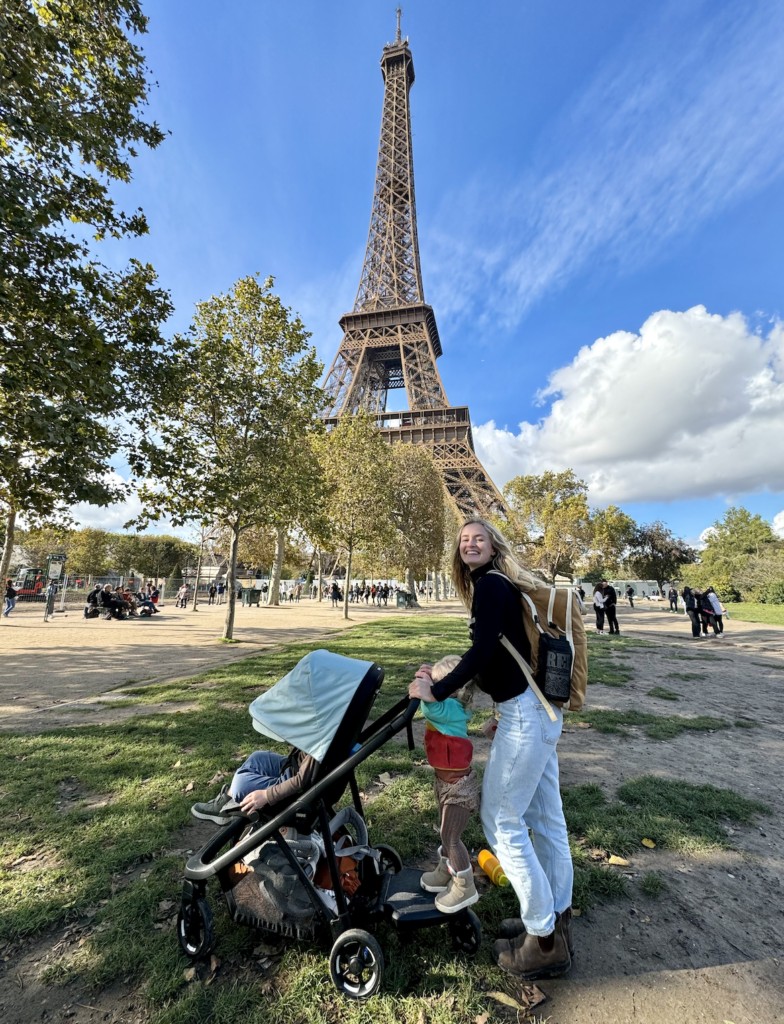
point(421, 687)
point(254, 801)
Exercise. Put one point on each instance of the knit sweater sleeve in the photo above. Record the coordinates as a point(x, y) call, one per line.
point(495, 606)
point(280, 791)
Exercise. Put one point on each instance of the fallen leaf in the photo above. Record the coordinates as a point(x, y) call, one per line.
point(189, 788)
point(189, 974)
point(177, 764)
point(502, 997)
point(576, 912)
point(482, 1018)
point(649, 843)
point(620, 862)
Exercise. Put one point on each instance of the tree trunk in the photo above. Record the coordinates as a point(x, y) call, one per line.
point(320, 578)
point(228, 628)
point(277, 566)
point(437, 584)
point(348, 581)
point(411, 586)
point(8, 547)
point(198, 573)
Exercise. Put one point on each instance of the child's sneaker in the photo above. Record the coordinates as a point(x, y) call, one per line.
point(460, 894)
point(211, 809)
point(437, 880)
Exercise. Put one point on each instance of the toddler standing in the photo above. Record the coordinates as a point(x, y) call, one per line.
point(449, 751)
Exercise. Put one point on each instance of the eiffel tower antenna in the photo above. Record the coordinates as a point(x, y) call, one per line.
point(399, 13)
point(390, 339)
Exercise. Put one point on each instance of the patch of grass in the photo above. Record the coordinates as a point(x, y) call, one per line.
point(748, 611)
point(111, 803)
point(746, 723)
point(773, 666)
point(653, 885)
point(663, 693)
point(657, 727)
point(686, 676)
point(675, 815)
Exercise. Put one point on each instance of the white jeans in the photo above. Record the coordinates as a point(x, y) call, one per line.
point(520, 792)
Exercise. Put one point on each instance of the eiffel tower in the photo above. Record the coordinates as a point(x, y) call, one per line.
point(390, 339)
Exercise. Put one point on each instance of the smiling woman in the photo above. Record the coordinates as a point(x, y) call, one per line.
point(520, 790)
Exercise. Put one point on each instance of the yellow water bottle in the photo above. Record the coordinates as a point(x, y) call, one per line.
point(492, 868)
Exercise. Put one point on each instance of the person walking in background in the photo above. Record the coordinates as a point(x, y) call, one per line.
point(182, 597)
point(690, 604)
point(707, 614)
point(211, 594)
point(719, 611)
point(598, 607)
point(610, 602)
point(221, 589)
point(630, 595)
point(10, 598)
point(672, 595)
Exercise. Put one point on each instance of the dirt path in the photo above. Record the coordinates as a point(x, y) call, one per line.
point(50, 670)
point(708, 951)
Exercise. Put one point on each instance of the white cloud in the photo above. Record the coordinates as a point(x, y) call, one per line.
point(114, 517)
point(692, 406)
point(778, 524)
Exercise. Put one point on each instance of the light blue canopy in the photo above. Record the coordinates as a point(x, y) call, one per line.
point(306, 706)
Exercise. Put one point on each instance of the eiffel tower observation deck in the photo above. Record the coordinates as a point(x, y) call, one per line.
point(390, 339)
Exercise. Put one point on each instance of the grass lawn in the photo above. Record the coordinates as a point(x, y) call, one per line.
point(748, 611)
point(102, 845)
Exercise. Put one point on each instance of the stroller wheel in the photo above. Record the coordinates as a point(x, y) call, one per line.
point(390, 860)
point(466, 932)
point(194, 928)
point(356, 964)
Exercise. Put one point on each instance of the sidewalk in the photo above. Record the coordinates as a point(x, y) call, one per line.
point(49, 666)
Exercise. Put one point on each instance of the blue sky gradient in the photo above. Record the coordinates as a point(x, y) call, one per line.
point(600, 198)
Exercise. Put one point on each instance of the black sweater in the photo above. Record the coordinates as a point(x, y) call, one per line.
point(495, 609)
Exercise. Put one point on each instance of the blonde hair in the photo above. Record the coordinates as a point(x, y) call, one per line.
point(443, 668)
point(503, 560)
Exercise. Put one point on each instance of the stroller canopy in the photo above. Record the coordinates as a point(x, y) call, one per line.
point(306, 706)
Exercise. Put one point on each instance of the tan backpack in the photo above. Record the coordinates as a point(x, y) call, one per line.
point(555, 614)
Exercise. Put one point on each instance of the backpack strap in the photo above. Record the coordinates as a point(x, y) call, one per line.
point(529, 677)
point(568, 633)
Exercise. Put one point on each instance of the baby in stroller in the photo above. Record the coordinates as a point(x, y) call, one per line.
point(293, 858)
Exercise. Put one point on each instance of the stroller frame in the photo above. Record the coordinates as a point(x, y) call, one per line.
point(388, 891)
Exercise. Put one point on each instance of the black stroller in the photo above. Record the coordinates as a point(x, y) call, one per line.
point(267, 865)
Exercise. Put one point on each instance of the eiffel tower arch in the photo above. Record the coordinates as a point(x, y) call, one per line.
point(390, 339)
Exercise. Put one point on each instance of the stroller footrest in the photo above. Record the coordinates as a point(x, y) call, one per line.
point(405, 903)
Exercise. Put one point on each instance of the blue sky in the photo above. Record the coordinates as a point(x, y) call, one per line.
point(600, 199)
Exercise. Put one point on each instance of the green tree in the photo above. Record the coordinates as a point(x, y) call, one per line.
point(656, 554)
point(549, 519)
point(160, 555)
point(611, 531)
point(80, 342)
point(739, 532)
point(356, 465)
point(248, 395)
point(418, 512)
point(740, 557)
point(39, 543)
point(89, 552)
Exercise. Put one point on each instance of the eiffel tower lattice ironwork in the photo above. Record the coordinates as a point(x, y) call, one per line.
point(390, 339)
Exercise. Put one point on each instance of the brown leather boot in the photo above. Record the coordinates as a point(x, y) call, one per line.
point(534, 956)
point(511, 927)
